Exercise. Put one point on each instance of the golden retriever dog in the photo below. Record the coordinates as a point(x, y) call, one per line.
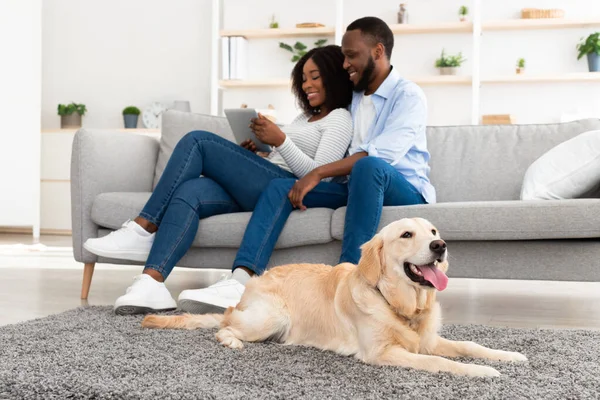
point(382, 311)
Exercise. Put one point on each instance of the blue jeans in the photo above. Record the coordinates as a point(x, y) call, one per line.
point(373, 184)
point(233, 179)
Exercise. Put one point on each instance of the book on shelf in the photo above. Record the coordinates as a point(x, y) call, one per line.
point(225, 64)
point(234, 57)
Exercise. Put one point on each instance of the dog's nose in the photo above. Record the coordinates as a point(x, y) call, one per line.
point(437, 246)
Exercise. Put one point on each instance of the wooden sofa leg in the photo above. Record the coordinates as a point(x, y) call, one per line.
point(88, 272)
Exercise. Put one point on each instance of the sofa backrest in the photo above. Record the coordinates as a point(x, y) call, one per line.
point(488, 162)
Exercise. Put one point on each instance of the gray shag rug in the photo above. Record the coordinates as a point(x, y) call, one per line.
point(90, 353)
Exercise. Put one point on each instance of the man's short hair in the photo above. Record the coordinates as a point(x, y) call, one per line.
point(375, 31)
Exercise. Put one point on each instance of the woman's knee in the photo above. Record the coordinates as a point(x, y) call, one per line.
point(187, 192)
point(200, 135)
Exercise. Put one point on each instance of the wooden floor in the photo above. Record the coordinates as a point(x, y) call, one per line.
point(37, 281)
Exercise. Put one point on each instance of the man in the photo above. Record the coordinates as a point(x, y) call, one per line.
point(387, 166)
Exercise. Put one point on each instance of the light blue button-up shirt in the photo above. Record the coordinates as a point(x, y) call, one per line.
point(397, 135)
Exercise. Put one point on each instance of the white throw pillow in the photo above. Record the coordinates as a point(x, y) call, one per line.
point(566, 171)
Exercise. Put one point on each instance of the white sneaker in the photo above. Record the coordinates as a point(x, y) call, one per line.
point(213, 299)
point(143, 296)
point(127, 243)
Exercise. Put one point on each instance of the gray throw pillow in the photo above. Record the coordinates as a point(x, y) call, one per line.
point(175, 124)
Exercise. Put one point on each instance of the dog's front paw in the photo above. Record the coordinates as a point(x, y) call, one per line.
point(511, 356)
point(517, 357)
point(481, 371)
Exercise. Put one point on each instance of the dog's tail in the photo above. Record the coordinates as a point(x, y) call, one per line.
point(185, 321)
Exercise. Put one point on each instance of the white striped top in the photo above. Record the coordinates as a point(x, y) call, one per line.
point(309, 145)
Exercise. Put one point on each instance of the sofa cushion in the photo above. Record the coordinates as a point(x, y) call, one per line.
point(175, 124)
point(477, 163)
point(498, 220)
point(566, 171)
point(310, 227)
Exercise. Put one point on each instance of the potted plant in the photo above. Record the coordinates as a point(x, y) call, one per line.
point(70, 115)
point(463, 11)
point(299, 48)
point(591, 48)
point(274, 24)
point(130, 117)
point(520, 65)
point(448, 65)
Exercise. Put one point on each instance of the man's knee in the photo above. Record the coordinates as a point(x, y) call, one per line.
point(368, 166)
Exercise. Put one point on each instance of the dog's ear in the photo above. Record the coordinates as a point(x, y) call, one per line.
point(370, 265)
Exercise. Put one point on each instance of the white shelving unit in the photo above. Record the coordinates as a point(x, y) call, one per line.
point(476, 28)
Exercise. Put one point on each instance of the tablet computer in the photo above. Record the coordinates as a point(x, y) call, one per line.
point(239, 121)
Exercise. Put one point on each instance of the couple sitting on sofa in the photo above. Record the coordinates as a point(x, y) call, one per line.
point(387, 164)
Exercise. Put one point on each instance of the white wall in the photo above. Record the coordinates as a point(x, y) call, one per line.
point(109, 54)
point(20, 107)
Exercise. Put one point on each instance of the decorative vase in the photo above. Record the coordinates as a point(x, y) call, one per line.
point(448, 70)
point(70, 121)
point(593, 62)
point(463, 18)
point(520, 71)
point(403, 14)
point(130, 121)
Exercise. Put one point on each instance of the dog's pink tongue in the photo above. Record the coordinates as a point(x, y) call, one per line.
point(436, 276)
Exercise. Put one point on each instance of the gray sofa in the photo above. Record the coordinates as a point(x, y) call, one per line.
point(476, 170)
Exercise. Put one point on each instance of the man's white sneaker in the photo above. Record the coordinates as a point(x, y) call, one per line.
point(131, 242)
point(214, 299)
point(143, 296)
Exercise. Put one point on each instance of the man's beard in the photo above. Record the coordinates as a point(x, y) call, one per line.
point(367, 74)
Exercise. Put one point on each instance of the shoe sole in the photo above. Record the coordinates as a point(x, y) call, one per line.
point(197, 307)
point(134, 310)
point(126, 255)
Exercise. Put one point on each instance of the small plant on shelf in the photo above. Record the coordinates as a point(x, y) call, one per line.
point(70, 115)
point(130, 117)
point(274, 24)
point(590, 47)
point(520, 65)
point(463, 11)
point(299, 49)
point(448, 65)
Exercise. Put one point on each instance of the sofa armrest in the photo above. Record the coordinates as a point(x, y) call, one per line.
point(106, 161)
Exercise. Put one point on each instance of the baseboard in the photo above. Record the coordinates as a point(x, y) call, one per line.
point(29, 231)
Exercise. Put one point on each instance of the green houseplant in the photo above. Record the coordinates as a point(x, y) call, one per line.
point(299, 49)
point(591, 47)
point(448, 65)
point(520, 65)
point(273, 24)
point(130, 117)
point(70, 115)
point(463, 11)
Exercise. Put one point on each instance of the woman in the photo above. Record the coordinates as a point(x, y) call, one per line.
point(233, 178)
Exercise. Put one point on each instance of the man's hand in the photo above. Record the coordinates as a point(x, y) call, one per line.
point(267, 131)
point(302, 187)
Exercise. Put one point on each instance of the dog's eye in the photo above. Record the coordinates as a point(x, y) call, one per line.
point(434, 232)
point(406, 235)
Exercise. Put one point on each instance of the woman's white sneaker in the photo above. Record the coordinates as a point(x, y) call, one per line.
point(143, 296)
point(213, 299)
point(131, 242)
